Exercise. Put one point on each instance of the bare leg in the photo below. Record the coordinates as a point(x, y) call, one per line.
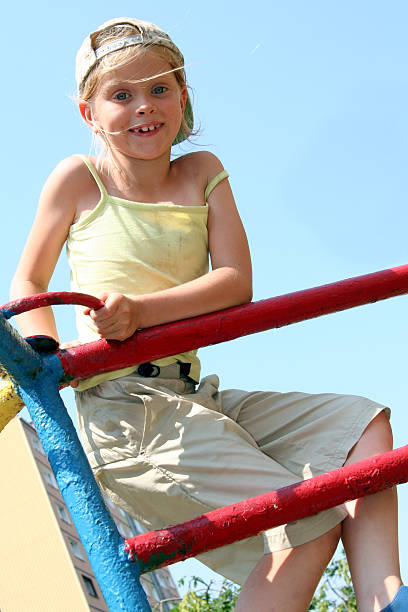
point(370, 533)
point(286, 580)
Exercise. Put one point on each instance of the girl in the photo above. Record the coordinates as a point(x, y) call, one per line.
point(139, 228)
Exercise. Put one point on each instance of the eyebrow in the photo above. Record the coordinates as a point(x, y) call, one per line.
point(112, 84)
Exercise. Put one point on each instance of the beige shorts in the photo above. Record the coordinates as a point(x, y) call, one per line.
point(166, 452)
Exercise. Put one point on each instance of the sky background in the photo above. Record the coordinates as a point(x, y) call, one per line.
point(306, 105)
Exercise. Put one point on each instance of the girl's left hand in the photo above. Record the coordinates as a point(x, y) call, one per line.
point(118, 319)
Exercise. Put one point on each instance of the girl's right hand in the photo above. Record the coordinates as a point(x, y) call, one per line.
point(118, 319)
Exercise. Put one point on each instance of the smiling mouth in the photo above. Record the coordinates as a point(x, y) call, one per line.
point(145, 129)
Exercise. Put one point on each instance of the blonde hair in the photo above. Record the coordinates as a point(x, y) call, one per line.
point(91, 82)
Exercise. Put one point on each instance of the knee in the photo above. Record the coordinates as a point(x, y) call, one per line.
point(379, 432)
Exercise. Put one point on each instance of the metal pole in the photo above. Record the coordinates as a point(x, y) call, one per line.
point(252, 516)
point(172, 338)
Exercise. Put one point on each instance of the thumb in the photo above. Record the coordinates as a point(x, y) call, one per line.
point(113, 301)
point(103, 297)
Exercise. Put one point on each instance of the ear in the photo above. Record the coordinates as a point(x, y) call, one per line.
point(183, 99)
point(87, 115)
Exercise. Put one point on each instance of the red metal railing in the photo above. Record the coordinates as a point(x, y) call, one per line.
point(172, 338)
point(252, 516)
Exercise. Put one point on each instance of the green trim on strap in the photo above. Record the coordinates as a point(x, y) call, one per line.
point(94, 173)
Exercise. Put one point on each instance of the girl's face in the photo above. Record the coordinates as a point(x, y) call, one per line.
point(137, 110)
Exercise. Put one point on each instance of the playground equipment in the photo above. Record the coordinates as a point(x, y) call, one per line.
point(36, 377)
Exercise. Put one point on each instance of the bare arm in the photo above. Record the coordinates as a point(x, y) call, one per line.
point(55, 213)
point(228, 284)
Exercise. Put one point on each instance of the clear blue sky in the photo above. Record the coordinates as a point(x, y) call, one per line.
point(306, 104)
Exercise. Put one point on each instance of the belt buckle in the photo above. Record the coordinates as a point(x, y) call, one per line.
point(148, 370)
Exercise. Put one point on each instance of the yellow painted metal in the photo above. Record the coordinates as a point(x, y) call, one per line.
point(10, 402)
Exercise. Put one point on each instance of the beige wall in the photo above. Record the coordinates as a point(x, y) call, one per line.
point(43, 565)
point(39, 570)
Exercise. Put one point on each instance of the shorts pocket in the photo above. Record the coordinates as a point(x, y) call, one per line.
point(111, 423)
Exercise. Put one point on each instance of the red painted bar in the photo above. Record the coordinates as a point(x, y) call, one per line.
point(171, 338)
point(39, 300)
point(250, 517)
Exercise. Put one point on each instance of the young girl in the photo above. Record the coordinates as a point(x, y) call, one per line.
point(139, 228)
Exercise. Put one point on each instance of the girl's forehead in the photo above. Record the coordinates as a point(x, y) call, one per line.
point(144, 67)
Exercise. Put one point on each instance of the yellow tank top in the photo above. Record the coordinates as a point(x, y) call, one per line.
point(135, 248)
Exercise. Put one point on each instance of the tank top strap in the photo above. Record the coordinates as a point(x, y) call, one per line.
point(214, 182)
point(94, 173)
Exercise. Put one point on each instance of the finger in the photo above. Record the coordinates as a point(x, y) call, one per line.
point(103, 297)
point(114, 329)
point(105, 314)
point(114, 302)
point(98, 316)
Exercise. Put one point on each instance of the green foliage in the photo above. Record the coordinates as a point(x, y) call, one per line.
point(336, 583)
point(203, 597)
point(335, 593)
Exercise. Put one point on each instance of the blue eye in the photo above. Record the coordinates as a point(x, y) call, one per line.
point(122, 95)
point(159, 89)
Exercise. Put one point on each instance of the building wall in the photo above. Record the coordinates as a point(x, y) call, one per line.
point(43, 566)
point(33, 553)
point(77, 555)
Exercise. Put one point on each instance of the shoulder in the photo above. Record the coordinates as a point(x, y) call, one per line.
point(69, 186)
point(69, 173)
point(201, 164)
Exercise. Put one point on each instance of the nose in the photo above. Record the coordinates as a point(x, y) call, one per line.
point(144, 106)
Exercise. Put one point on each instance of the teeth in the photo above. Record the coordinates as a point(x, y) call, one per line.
point(147, 129)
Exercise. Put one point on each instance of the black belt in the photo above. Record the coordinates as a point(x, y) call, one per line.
point(150, 370)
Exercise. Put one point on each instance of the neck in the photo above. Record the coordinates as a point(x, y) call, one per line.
point(143, 175)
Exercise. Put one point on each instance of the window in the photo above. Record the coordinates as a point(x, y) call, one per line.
point(89, 586)
point(37, 444)
point(76, 549)
point(63, 514)
point(150, 588)
point(50, 478)
point(161, 579)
